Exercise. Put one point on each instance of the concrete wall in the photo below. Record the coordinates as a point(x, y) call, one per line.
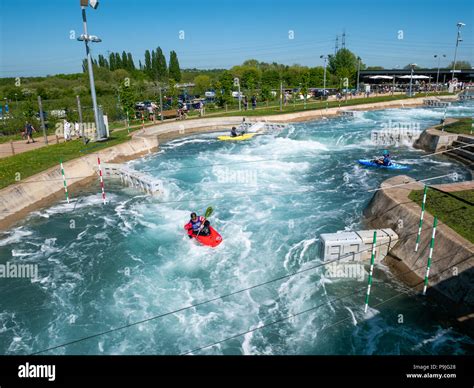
point(41, 189)
point(433, 140)
point(452, 272)
point(16, 201)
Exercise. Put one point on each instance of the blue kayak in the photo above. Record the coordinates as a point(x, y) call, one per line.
point(393, 166)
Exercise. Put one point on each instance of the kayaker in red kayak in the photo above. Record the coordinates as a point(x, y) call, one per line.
point(197, 225)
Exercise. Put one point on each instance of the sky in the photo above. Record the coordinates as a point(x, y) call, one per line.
point(37, 37)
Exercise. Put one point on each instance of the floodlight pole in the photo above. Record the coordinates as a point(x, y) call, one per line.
point(458, 39)
point(91, 74)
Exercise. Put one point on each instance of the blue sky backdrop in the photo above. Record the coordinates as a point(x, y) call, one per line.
point(35, 34)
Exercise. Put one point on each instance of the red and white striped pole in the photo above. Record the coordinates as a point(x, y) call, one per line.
point(101, 180)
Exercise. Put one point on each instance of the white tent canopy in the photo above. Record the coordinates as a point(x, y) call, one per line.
point(414, 77)
point(380, 77)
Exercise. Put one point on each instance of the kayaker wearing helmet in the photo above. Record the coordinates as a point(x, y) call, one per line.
point(197, 225)
point(385, 159)
point(233, 132)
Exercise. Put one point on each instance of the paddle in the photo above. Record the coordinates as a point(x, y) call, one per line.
point(207, 214)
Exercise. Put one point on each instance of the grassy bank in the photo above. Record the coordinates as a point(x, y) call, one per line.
point(35, 161)
point(274, 109)
point(32, 162)
point(463, 126)
point(458, 215)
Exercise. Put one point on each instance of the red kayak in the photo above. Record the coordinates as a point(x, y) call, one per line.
point(213, 240)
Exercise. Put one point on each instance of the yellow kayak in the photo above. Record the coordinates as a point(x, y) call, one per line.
point(237, 138)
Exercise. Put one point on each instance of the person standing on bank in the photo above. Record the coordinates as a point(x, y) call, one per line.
point(29, 132)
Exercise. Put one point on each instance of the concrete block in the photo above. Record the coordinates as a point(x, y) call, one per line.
point(343, 245)
point(356, 246)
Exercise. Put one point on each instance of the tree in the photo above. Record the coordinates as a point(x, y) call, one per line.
point(202, 83)
point(172, 92)
point(120, 75)
point(271, 78)
point(316, 76)
point(408, 67)
point(148, 67)
point(130, 63)
point(225, 83)
point(154, 66)
point(161, 71)
point(125, 61)
point(102, 61)
point(251, 63)
point(460, 65)
point(174, 70)
point(344, 65)
point(305, 77)
point(250, 78)
point(112, 64)
point(265, 93)
point(127, 99)
point(118, 62)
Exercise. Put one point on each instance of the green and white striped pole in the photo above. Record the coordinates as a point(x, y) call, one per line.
point(64, 181)
point(128, 123)
point(430, 256)
point(423, 203)
point(372, 259)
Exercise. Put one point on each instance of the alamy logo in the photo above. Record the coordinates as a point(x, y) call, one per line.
point(395, 132)
point(37, 371)
point(239, 177)
point(348, 271)
point(14, 271)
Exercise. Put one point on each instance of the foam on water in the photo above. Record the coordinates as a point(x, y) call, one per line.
point(131, 259)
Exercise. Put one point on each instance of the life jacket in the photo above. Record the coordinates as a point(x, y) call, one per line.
point(195, 225)
point(387, 161)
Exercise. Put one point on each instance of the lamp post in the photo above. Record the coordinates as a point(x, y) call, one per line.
point(86, 38)
point(325, 57)
point(237, 83)
point(437, 74)
point(358, 73)
point(412, 66)
point(458, 39)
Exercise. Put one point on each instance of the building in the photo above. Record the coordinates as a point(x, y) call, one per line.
point(445, 75)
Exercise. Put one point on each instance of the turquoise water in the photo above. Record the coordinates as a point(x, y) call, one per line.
point(272, 197)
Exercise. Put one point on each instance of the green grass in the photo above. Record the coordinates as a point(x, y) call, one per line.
point(32, 162)
point(274, 108)
point(458, 215)
point(463, 125)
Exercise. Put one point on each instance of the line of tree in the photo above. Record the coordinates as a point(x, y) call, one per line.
point(155, 67)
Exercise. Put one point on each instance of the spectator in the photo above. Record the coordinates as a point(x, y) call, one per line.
point(67, 130)
point(77, 130)
point(151, 113)
point(29, 132)
point(254, 102)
